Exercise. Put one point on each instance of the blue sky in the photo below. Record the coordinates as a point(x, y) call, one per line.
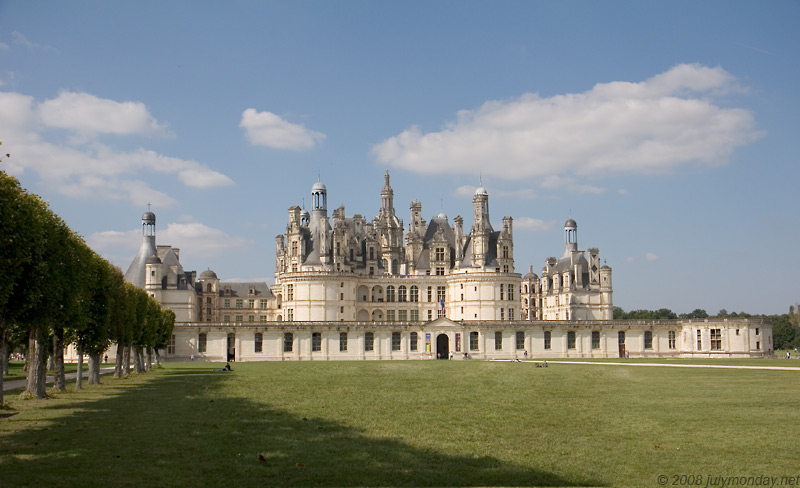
point(667, 130)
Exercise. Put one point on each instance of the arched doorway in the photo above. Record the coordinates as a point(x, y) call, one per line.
point(231, 347)
point(442, 346)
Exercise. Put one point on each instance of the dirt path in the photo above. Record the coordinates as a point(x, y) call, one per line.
point(15, 384)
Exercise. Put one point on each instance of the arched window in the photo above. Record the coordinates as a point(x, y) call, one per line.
point(414, 294)
point(390, 293)
point(401, 293)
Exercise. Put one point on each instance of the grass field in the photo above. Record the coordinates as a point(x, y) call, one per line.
point(414, 423)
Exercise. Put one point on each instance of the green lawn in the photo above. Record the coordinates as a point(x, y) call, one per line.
point(414, 423)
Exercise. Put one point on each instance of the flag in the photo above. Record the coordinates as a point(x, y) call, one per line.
point(441, 303)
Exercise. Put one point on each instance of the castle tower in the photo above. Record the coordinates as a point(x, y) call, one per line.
point(136, 272)
point(481, 227)
point(570, 237)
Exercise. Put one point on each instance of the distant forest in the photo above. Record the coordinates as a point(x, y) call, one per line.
point(785, 327)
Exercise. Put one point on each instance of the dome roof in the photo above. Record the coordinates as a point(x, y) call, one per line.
point(318, 186)
point(208, 275)
point(441, 216)
point(481, 191)
point(571, 223)
point(149, 217)
point(152, 260)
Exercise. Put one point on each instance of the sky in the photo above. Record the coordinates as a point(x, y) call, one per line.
point(667, 130)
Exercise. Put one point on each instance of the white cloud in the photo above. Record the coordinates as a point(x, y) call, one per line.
point(520, 194)
point(4, 46)
point(655, 125)
point(630, 260)
point(202, 240)
point(83, 167)
point(19, 39)
point(651, 257)
point(270, 130)
point(531, 224)
point(86, 113)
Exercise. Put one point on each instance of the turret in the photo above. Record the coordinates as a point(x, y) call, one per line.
point(570, 237)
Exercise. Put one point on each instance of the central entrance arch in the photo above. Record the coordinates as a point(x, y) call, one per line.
point(442, 346)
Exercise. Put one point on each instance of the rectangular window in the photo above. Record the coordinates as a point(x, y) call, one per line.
point(413, 341)
point(439, 254)
point(671, 339)
point(251, 318)
point(239, 318)
point(414, 317)
point(227, 303)
point(571, 339)
point(699, 340)
point(239, 303)
point(226, 318)
point(288, 342)
point(498, 341)
point(595, 339)
point(439, 271)
point(414, 294)
point(316, 341)
point(440, 293)
point(430, 294)
point(251, 303)
point(547, 339)
point(621, 337)
point(473, 341)
point(342, 341)
point(290, 314)
point(402, 315)
point(290, 292)
point(390, 315)
point(510, 292)
point(369, 341)
point(501, 292)
point(520, 340)
point(263, 318)
point(395, 341)
point(510, 314)
point(201, 342)
point(171, 346)
point(502, 314)
point(262, 304)
point(458, 341)
point(259, 341)
point(716, 339)
point(648, 339)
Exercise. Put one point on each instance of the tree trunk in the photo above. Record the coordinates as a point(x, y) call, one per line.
point(158, 358)
point(79, 378)
point(59, 380)
point(94, 368)
point(51, 363)
point(137, 359)
point(4, 358)
point(36, 383)
point(118, 360)
point(126, 361)
point(149, 358)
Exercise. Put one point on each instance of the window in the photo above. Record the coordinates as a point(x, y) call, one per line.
point(520, 340)
point(239, 303)
point(290, 292)
point(239, 318)
point(226, 318)
point(251, 303)
point(502, 314)
point(414, 296)
point(389, 293)
point(227, 303)
point(699, 340)
point(316, 341)
point(473, 341)
point(498, 341)
point(171, 346)
point(439, 255)
point(390, 315)
point(263, 318)
point(501, 292)
point(402, 315)
point(440, 293)
point(290, 314)
point(716, 339)
point(401, 294)
point(571, 339)
point(439, 271)
point(458, 341)
point(648, 339)
point(621, 337)
point(757, 330)
point(395, 341)
point(413, 341)
point(547, 339)
point(671, 339)
point(263, 304)
point(430, 313)
point(201, 342)
point(510, 314)
point(414, 316)
point(251, 318)
point(288, 342)
point(342, 341)
point(259, 341)
point(510, 292)
point(595, 340)
point(369, 341)
point(430, 294)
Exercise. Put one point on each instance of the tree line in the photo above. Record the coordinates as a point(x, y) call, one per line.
point(785, 327)
point(55, 291)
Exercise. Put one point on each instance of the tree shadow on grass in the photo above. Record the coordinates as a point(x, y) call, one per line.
point(178, 430)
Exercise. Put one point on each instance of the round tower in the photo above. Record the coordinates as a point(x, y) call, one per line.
point(570, 237)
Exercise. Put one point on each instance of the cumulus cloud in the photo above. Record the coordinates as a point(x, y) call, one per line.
point(270, 130)
point(520, 194)
point(83, 167)
point(531, 224)
point(654, 125)
point(204, 241)
point(651, 257)
point(83, 113)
